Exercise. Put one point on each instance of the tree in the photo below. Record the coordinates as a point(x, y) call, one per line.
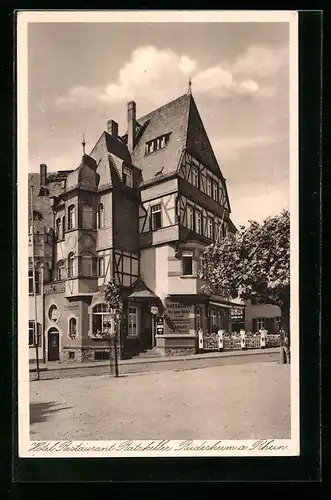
point(114, 303)
point(253, 263)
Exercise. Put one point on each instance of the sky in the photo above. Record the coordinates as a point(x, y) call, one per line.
point(82, 74)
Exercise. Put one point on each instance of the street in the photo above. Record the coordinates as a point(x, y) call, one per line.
point(234, 401)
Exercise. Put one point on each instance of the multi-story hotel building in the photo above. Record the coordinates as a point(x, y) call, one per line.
point(140, 210)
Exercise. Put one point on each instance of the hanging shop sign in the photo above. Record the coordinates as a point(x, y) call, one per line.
point(154, 310)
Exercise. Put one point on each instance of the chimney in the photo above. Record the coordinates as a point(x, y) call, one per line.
point(112, 128)
point(131, 120)
point(43, 175)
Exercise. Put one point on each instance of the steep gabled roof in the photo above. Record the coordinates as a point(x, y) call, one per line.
point(171, 118)
point(181, 119)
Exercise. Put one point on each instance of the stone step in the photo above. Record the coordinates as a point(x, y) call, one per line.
point(150, 353)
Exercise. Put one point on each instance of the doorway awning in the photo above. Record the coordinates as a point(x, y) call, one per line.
point(141, 291)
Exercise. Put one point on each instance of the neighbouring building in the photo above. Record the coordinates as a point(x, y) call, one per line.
point(259, 315)
point(140, 210)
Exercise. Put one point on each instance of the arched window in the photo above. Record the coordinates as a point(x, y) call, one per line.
point(58, 229)
point(87, 216)
point(71, 217)
point(101, 320)
point(60, 270)
point(71, 265)
point(73, 328)
point(101, 216)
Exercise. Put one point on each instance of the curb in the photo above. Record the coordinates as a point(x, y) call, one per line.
point(168, 359)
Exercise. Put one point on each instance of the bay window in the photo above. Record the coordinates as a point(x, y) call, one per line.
point(71, 217)
point(198, 222)
point(190, 217)
point(187, 263)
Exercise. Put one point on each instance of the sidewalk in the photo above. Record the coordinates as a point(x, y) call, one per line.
point(56, 365)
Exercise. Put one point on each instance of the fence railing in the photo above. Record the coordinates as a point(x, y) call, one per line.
point(241, 341)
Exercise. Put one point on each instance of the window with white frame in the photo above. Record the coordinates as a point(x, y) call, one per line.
point(190, 217)
point(71, 265)
point(32, 339)
point(209, 228)
point(73, 328)
point(101, 216)
point(215, 191)
point(101, 320)
point(209, 186)
point(187, 263)
point(195, 176)
point(261, 323)
point(156, 144)
point(198, 222)
point(127, 177)
point(71, 217)
point(61, 270)
point(37, 282)
point(31, 287)
point(133, 321)
point(156, 216)
point(101, 266)
point(31, 333)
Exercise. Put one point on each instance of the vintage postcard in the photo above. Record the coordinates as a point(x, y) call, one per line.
point(158, 233)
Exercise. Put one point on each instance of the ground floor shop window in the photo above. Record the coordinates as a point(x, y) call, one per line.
point(101, 320)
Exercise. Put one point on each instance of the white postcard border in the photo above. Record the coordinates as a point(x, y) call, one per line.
point(51, 449)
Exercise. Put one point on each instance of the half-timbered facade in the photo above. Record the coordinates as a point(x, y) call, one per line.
point(139, 210)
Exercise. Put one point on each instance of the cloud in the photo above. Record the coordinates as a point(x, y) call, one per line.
point(158, 75)
point(220, 83)
point(261, 61)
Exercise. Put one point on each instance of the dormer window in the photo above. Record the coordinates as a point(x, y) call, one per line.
point(157, 143)
point(127, 177)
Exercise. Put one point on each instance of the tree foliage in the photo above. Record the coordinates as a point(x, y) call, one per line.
point(113, 297)
point(253, 263)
